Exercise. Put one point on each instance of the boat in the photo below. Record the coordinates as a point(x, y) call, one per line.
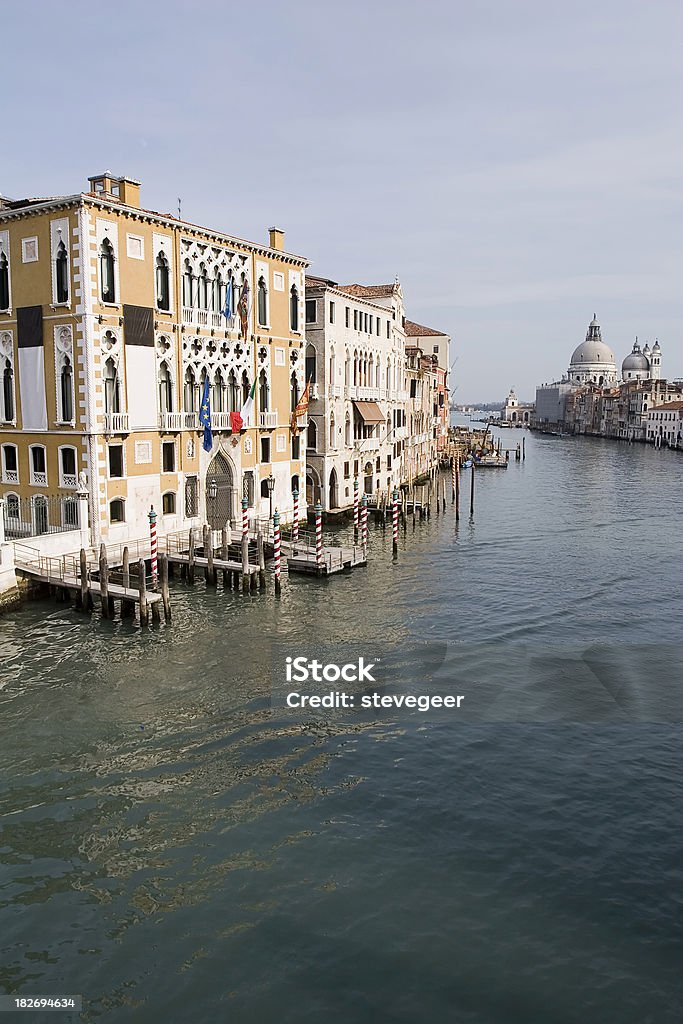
point(491, 462)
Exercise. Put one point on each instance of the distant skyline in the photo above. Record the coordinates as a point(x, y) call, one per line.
point(517, 164)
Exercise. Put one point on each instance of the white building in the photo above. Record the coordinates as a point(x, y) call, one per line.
point(665, 425)
point(515, 411)
point(593, 361)
point(645, 364)
point(355, 361)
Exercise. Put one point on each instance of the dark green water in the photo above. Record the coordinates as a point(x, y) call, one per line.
point(174, 850)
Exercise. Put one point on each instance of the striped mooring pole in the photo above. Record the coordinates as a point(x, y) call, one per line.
point(276, 549)
point(318, 535)
point(364, 521)
point(295, 523)
point(245, 518)
point(355, 509)
point(453, 479)
point(394, 499)
point(153, 544)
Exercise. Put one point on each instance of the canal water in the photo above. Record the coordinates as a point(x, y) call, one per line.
point(176, 846)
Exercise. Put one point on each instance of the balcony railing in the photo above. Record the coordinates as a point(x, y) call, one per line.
point(268, 420)
point(220, 421)
point(38, 479)
point(357, 393)
point(116, 423)
point(203, 317)
point(171, 421)
point(69, 480)
point(10, 476)
point(334, 391)
point(315, 391)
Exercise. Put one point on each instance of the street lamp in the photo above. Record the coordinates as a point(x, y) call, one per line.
point(211, 492)
point(213, 489)
point(271, 487)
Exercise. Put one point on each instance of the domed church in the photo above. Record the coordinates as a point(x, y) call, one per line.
point(645, 364)
point(593, 361)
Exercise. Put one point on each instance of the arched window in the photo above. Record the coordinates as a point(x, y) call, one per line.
point(233, 393)
point(163, 283)
point(311, 364)
point(262, 302)
point(294, 386)
point(165, 389)
point(61, 274)
point(263, 391)
point(8, 393)
point(347, 369)
point(332, 368)
point(217, 293)
point(4, 281)
point(12, 506)
point(312, 436)
point(66, 392)
point(112, 391)
point(107, 271)
point(245, 386)
point(188, 284)
point(190, 391)
point(117, 511)
point(295, 482)
point(294, 308)
point(347, 431)
point(333, 433)
point(218, 393)
point(168, 503)
point(203, 288)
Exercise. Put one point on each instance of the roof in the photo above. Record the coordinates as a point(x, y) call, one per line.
point(667, 407)
point(368, 291)
point(319, 282)
point(419, 330)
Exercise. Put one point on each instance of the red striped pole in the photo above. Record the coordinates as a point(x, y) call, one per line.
point(395, 522)
point(295, 524)
point(276, 549)
point(245, 518)
point(318, 535)
point(153, 544)
point(364, 521)
point(355, 509)
point(453, 479)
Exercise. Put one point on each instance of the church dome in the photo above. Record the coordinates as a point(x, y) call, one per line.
point(592, 351)
point(593, 361)
point(635, 362)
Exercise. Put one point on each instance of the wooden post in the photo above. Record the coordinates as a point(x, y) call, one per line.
point(261, 561)
point(414, 508)
point(225, 549)
point(457, 488)
point(163, 580)
point(86, 599)
point(190, 558)
point(523, 449)
point(208, 551)
point(245, 563)
point(472, 488)
point(127, 607)
point(142, 591)
point(104, 582)
point(443, 495)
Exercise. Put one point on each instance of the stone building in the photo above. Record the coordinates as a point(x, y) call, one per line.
point(437, 345)
point(664, 425)
point(515, 411)
point(112, 317)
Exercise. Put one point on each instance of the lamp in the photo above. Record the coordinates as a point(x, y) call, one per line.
point(213, 489)
point(270, 481)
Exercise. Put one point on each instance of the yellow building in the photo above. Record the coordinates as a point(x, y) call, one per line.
point(111, 319)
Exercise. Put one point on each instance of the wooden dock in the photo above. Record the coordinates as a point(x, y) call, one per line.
point(332, 560)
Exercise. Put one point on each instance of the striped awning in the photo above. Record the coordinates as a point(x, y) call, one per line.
point(369, 412)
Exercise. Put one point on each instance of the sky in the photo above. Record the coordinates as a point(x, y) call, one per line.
point(518, 165)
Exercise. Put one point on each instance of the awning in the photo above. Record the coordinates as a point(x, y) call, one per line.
point(370, 412)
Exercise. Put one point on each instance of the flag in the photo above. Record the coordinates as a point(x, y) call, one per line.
point(301, 409)
point(236, 423)
point(227, 308)
point(243, 307)
point(248, 406)
point(205, 416)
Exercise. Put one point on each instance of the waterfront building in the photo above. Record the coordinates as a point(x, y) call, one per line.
point(112, 318)
point(642, 364)
point(438, 346)
point(355, 361)
point(515, 411)
point(422, 420)
point(664, 424)
point(593, 361)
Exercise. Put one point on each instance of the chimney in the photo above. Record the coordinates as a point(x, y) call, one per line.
point(277, 239)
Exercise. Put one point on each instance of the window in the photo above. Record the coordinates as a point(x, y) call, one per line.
point(4, 281)
point(265, 449)
point(135, 247)
point(112, 391)
point(218, 393)
point(191, 497)
point(115, 455)
point(163, 283)
point(310, 371)
point(203, 288)
point(388, 329)
point(117, 511)
point(70, 513)
point(355, 319)
point(331, 312)
point(107, 286)
point(295, 482)
point(245, 386)
point(190, 391)
point(38, 464)
point(248, 488)
point(66, 393)
point(296, 447)
point(263, 391)
point(233, 393)
point(265, 493)
point(294, 389)
point(188, 282)
point(168, 503)
point(12, 506)
point(312, 435)
point(10, 464)
point(262, 302)
point(168, 456)
point(377, 325)
point(62, 274)
point(333, 433)
point(347, 313)
point(8, 393)
point(311, 313)
point(67, 467)
point(165, 389)
point(294, 308)
point(218, 290)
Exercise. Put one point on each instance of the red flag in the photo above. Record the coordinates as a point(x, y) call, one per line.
point(235, 422)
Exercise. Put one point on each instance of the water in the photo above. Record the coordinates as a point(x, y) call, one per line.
point(173, 850)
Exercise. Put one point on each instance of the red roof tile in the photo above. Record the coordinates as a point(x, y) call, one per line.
point(414, 330)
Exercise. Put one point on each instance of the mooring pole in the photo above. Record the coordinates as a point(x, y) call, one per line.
point(355, 510)
point(276, 550)
point(395, 524)
point(153, 545)
point(472, 488)
point(163, 582)
point(318, 536)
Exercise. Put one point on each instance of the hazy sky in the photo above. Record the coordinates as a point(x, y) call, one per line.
point(518, 164)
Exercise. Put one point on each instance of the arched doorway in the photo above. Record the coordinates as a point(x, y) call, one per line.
point(333, 499)
point(219, 492)
point(313, 488)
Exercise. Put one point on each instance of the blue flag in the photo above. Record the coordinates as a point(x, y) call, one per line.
point(205, 416)
point(227, 308)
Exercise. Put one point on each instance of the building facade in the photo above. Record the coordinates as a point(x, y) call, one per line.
point(437, 346)
point(112, 317)
point(515, 411)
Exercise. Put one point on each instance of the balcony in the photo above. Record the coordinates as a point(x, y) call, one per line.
point(203, 317)
point(334, 391)
point(10, 476)
point(116, 423)
point(302, 421)
point(268, 420)
point(69, 480)
point(38, 479)
point(220, 421)
point(315, 391)
point(171, 421)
